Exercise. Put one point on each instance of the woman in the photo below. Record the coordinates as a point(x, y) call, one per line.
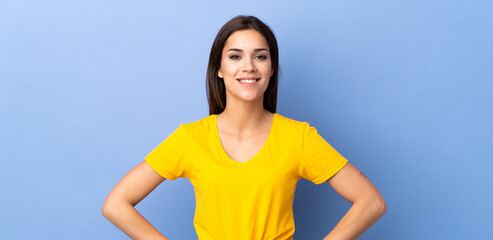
point(244, 159)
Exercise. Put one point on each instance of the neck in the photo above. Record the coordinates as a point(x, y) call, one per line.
point(243, 117)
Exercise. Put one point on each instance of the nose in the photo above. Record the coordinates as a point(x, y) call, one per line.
point(249, 65)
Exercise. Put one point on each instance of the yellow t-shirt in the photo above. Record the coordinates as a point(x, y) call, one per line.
point(250, 200)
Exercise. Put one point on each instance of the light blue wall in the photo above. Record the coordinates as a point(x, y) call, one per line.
point(402, 89)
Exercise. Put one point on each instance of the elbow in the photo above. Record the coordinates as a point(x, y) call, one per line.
point(110, 208)
point(114, 208)
point(106, 209)
point(380, 206)
point(375, 205)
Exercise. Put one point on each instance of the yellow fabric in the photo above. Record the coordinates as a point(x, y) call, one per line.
point(250, 200)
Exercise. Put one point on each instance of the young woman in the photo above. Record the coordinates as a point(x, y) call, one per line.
point(244, 160)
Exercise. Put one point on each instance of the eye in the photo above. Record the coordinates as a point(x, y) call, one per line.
point(234, 57)
point(261, 57)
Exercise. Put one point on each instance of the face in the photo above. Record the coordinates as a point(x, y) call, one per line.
point(245, 65)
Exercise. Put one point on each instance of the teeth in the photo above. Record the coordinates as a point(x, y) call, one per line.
point(248, 81)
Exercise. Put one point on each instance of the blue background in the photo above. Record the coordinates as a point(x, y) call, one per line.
point(403, 89)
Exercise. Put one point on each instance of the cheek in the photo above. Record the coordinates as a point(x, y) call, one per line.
point(227, 69)
point(267, 68)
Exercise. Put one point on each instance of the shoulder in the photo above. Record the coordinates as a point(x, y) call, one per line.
point(199, 127)
point(290, 122)
point(291, 126)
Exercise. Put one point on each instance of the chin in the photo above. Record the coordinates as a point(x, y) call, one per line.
point(259, 98)
point(246, 96)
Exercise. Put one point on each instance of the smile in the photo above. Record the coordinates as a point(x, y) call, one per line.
point(248, 81)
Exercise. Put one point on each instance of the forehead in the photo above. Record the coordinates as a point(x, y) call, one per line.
point(246, 39)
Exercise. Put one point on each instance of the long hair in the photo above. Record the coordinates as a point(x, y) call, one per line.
point(216, 91)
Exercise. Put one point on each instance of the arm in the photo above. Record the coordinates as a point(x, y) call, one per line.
point(368, 203)
point(119, 209)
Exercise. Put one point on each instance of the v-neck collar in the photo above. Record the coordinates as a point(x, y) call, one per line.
point(251, 160)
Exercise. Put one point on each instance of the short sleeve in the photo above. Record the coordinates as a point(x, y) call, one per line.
point(168, 158)
point(319, 160)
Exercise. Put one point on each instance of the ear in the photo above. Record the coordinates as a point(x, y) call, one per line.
point(272, 72)
point(220, 74)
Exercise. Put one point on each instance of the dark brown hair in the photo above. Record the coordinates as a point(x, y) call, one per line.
point(216, 91)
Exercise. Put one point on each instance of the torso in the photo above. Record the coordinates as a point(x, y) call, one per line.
point(242, 149)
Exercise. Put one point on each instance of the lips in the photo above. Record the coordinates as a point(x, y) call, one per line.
point(248, 81)
point(248, 78)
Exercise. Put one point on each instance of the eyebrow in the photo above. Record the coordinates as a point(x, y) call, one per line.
point(255, 50)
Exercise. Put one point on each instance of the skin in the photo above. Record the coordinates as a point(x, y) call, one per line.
point(119, 205)
point(243, 128)
point(244, 125)
point(368, 203)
